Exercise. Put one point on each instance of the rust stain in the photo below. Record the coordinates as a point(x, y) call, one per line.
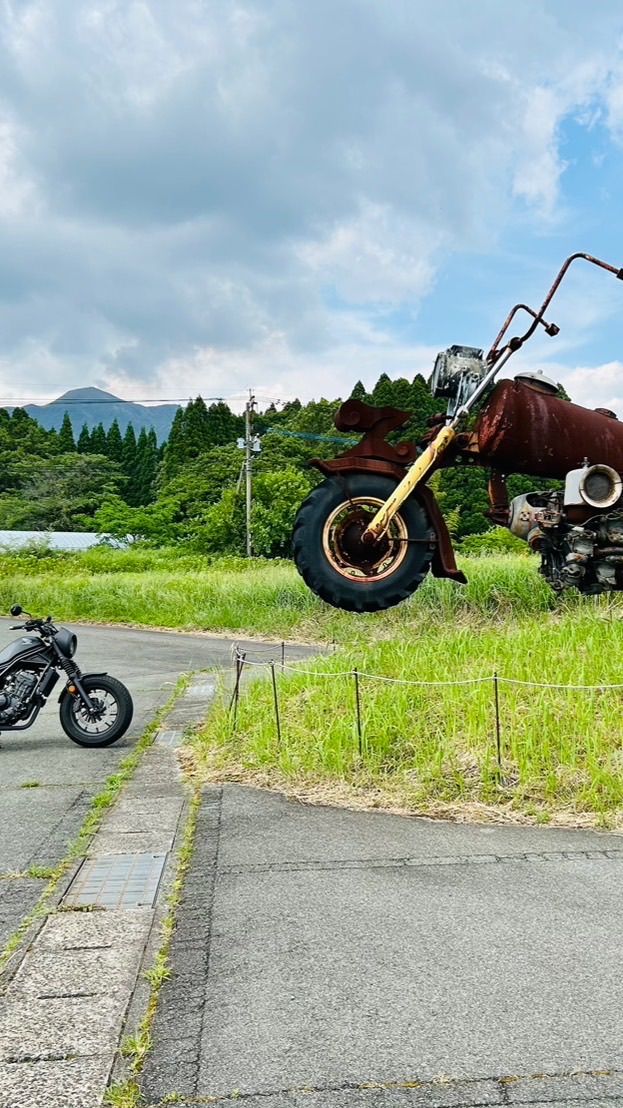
point(523, 430)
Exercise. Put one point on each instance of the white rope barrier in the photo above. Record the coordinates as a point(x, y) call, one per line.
point(425, 684)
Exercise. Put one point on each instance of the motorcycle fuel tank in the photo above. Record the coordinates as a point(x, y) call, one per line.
point(26, 646)
point(522, 429)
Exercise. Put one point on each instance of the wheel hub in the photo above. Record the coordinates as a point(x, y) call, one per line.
point(95, 713)
point(349, 541)
point(344, 546)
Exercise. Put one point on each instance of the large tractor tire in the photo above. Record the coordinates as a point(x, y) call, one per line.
point(343, 570)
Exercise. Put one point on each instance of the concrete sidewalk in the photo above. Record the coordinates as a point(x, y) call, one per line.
point(327, 958)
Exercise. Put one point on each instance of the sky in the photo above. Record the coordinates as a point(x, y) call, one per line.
point(209, 196)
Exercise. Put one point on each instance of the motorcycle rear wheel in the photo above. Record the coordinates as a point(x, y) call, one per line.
point(338, 566)
point(112, 715)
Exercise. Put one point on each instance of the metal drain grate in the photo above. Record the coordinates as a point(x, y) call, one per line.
point(117, 881)
point(170, 738)
point(201, 690)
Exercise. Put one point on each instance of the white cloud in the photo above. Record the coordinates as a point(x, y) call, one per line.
point(375, 257)
point(597, 386)
point(17, 191)
point(187, 190)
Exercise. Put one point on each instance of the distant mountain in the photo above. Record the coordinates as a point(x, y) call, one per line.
point(93, 406)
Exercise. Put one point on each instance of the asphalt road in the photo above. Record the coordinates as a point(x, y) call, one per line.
point(47, 782)
point(325, 958)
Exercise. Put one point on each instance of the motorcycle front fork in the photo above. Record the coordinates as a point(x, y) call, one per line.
point(74, 683)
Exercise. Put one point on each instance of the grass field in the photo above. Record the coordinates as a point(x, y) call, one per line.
point(424, 748)
point(435, 748)
point(162, 588)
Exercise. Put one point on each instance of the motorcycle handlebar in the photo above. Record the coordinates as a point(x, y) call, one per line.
point(31, 625)
point(538, 317)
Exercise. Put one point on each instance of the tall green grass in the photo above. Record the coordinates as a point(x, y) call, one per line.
point(164, 589)
point(436, 744)
point(421, 746)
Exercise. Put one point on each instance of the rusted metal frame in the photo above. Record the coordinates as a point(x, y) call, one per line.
point(498, 498)
point(538, 316)
point(377, 423)
point(551, 328)
point(444, 562)
point(353, 463)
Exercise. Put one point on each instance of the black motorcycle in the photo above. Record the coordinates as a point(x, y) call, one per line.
point(95, 709)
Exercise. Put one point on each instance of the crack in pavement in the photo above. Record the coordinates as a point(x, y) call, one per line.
point(415, 862)
point(501, 1086)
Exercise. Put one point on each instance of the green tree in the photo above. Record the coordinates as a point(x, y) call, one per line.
point(383, 392)
point(59, 494)
point(222, 529)
point(464, 488)
point(98, 440)
point(154, 523)
point(22, 443)
point(84, 440)
point(201, 483)
point(131, 492)
point(272, 417)
point(66, 442)
point(114, 443)
point(277, 499)
point(359, 393)
point(222, 425)
point(316, 418)
point(147, 456)
point(196, 428)
point(175, 449)
point(423, 405)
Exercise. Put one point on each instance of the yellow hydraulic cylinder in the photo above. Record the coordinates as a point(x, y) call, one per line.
point(419, 470)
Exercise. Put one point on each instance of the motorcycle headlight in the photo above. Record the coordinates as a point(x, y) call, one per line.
point(67, 642)
point(600, 486)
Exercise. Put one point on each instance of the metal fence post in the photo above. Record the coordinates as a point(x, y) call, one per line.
point(240, 660)
point(358, 703)
point(498, 740)
point(272, 670)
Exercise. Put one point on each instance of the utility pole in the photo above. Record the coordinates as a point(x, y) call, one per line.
point(248, 418)
point(251, 445)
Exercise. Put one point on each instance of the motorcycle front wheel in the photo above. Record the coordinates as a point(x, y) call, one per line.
point(107, 720)
point(343, 570)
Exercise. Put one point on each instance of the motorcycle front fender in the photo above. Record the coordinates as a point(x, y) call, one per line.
point(444, 561)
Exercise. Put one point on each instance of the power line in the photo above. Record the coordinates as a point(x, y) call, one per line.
point(308, 435)
point(18, 402)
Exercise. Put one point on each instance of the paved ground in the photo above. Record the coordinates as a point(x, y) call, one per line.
point(322, 958)
point(37, 824)
point(362, 958)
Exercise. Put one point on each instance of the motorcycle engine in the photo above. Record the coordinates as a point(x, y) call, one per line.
point(578, 532)
point(15, 695)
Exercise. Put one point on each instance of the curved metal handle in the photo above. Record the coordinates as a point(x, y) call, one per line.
point(538, 317)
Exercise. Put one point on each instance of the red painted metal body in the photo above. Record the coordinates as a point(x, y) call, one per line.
point(523, 430)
